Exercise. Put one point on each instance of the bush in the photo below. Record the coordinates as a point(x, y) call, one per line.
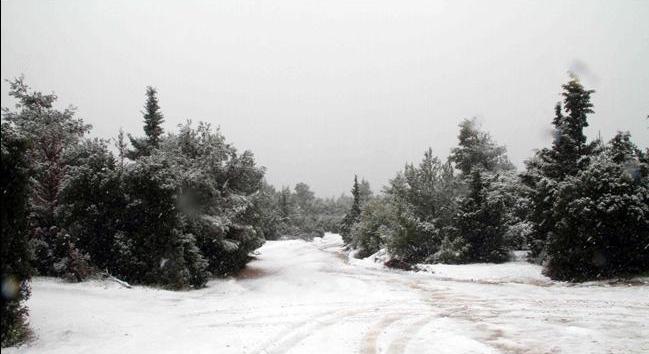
point(374, 228)
point(453, 250)
point(413, 240)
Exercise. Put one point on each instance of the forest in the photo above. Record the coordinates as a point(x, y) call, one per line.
point(174, 209)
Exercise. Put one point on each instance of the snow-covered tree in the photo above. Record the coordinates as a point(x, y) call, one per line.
point(365, 191)
point(602, 217)
point(569, 155)
point(483, 216)
point(93, 203)
point(569, 145)
point(506, 188)
point(353, 214)
point(480, 221)
point(477, 150)
point(216, 196)
point(424, 199)
point(52, 134)
point(153, 131)
point(15, 251)
point(376, 226)
point(266, 212)
point(122, 147)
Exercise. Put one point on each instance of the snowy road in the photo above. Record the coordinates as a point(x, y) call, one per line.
point(301, 297)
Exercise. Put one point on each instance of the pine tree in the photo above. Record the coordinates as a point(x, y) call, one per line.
point(602, 217)
point(284, 201)
point(476, 149)
point(569, 144)
point(153, 131)
point(365, 191)
point(568, 155)
point(477, 232)
point(16, 270)
point(355, 210)
point(480, 222)
point(354, 213)
point(122, 148)
point(52, 134)
point(304, 198)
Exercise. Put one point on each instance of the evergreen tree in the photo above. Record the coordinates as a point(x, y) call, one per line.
point(507, 189)
point(568, 155)
point(569, 144)
point(153, 131)
point(354, 213)
point(305, 217)
point(480, 222)
point(16, 269)
point(423, 198)
point(267, 212)
point(52, 135)
point(154, 247)
point(304, 198)
point(365, 191)
point(602, 217)
point(476, 149)
point(285, 205)
point(482, 219)
point(93, 203)
point(375, 227)
point(216, 196)
point(122, 148)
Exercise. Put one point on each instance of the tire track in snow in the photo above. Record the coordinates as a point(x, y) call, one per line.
point(369, 344)
point(399, 346)
point(287, 339)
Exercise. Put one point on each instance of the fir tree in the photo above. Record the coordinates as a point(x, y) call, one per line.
point(365, 191)
point(476, 149)
point(480, 222)
point(153, 131)
point(122, 147)
point(354, 212)
point(569, 144)
point(568, 155)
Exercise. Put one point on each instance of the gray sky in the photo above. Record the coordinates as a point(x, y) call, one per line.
point(320, 90)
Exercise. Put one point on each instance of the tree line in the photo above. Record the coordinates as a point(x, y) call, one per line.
point(173, 209)
point(581, 208)
point(168, 209)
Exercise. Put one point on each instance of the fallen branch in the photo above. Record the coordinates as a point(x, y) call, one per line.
point(118, 281)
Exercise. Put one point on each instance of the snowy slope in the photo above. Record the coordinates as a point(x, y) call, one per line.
point(301, 297)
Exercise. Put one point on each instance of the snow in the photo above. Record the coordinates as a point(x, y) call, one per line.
point(310, 297)
point(512, 272)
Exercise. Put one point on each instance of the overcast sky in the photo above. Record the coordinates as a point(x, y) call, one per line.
point(321, 90)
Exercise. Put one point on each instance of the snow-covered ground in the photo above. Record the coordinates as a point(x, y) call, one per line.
point(307, 297)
